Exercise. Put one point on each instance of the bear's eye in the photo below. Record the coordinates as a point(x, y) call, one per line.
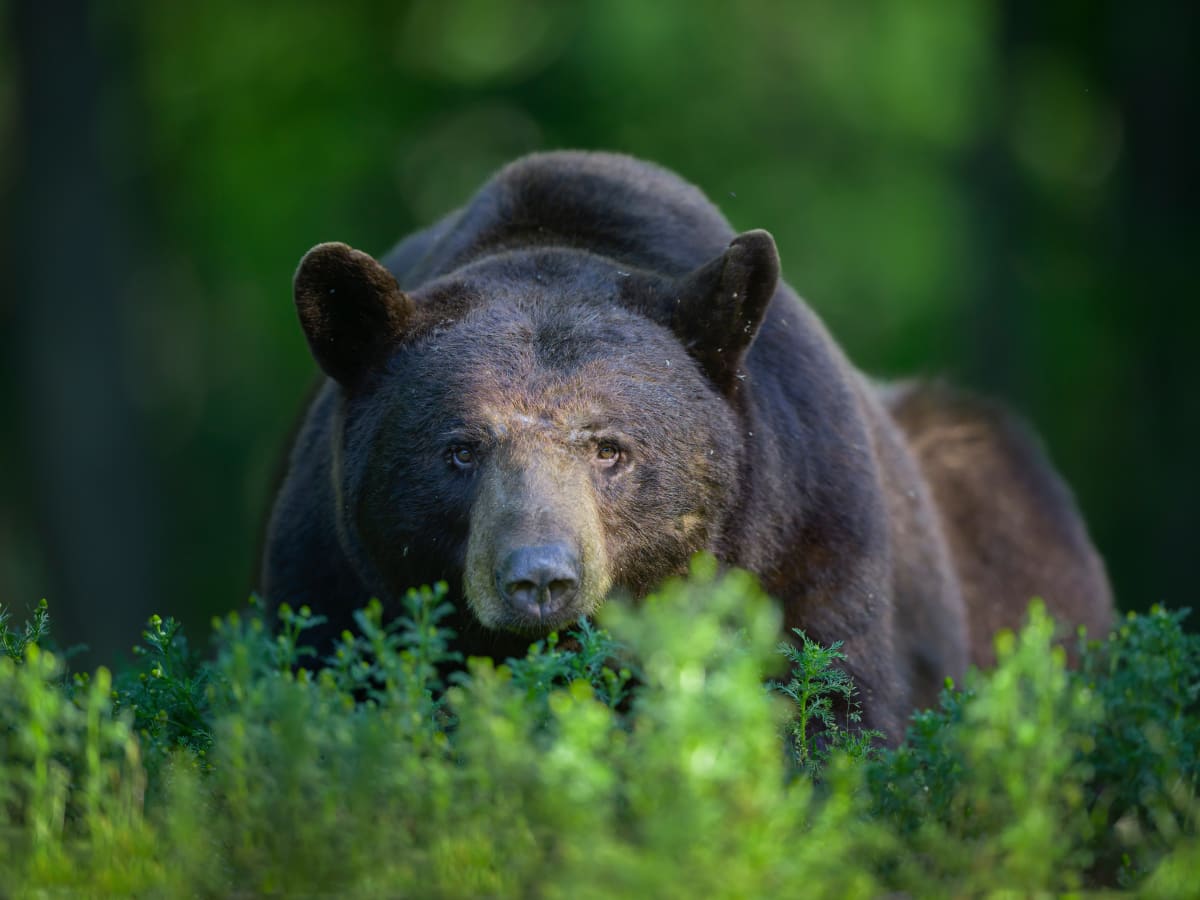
point(608, 453)
point(462, 457)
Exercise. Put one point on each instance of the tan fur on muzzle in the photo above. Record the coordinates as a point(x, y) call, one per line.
point(530, 498)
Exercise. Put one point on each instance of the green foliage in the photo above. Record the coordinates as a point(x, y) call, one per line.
point(167, 693)
point(820, 689)
point(71, 783)
point(640, 758)
point(388, 661)
point(14, 643)
point(589, 655)
point(1146, 760)
point(993, 787)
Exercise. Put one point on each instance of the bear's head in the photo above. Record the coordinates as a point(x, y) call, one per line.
point(539, 427)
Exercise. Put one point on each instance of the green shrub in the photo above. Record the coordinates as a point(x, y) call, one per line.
point(992, 789)
point(818, 687)
point(167, 694)
point(647, 757)
point(14, 642)
point(71, 783)
point(1146, 760)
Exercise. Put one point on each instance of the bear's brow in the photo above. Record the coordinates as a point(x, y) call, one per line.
point(493, 425)
point(458, 430)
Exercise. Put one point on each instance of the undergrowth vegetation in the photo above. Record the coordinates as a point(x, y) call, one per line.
point(650, 756)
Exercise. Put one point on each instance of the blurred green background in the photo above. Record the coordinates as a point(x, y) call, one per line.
point(998, 191)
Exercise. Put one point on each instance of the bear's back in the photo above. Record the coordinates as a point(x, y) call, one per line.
point(633, 212)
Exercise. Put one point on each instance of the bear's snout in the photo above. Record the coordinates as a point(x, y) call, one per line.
point(539, 581)
point(536, 558)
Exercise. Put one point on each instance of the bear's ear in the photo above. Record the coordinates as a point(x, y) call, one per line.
point(351, 309)
point(719, 307)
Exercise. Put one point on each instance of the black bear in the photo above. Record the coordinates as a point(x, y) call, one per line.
point(584, 377)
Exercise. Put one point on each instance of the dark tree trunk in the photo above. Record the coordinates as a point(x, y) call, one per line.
point(1152, 51)
point(71, 260)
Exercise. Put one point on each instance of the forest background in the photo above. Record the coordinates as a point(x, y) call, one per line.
point(1000, 192)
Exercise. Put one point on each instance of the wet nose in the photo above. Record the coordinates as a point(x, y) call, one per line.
point(539, 581)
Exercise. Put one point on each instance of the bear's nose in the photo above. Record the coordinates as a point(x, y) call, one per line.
point(539, 581)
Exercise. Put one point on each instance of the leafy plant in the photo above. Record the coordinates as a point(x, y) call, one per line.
point(1146, 756)
point(640, 755)
point(15, 642)
point(820, 689)
point(588, 655)
point(167, 692)
point(991, 789)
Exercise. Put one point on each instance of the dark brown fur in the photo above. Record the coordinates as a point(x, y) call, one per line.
point(1012, 525)
point(585, 367)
